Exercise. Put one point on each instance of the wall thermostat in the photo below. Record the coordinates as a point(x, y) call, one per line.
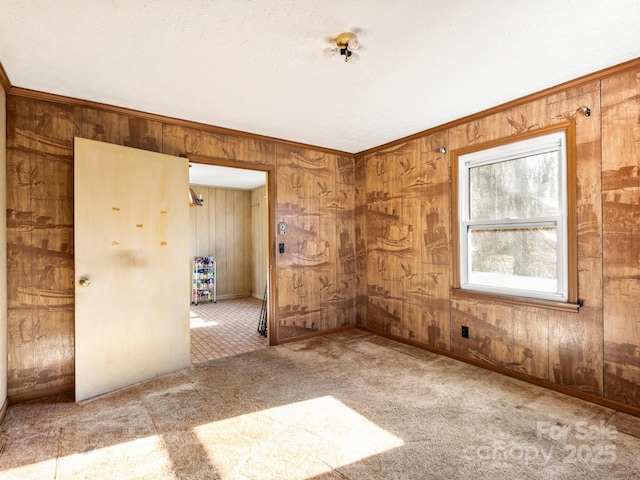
point(282, 228)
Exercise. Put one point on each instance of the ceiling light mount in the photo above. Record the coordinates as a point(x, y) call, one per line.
point(347, 43)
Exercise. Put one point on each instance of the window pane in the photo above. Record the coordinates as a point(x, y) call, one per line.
point(519, 188)
point(524, 258)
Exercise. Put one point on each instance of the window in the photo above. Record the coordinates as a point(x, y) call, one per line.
point(514, 212)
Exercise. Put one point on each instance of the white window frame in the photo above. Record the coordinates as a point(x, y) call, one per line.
point(496, 283)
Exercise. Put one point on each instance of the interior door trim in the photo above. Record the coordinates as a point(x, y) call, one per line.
point(272, 321)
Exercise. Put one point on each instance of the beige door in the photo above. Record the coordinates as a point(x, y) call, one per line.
point(132, 270)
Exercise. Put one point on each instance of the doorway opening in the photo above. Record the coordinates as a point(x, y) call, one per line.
point(232, 225)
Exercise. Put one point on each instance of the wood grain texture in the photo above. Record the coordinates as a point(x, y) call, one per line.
point(531, 341)
point(596, 350)
point(40, 228)
point(317, 204)
point(575, 350)
point(3, 254)
point(259, 241)
point(40, 245)
point(221, 227)
point(621, 241)
point(360, 196)
point(250, 141)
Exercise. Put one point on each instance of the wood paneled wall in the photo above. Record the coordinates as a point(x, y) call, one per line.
point(366, 241)
point(3, 251)
point(260, 240)
point(317, 274)
point(404, 231)
point(314, 194)
point(222, 227)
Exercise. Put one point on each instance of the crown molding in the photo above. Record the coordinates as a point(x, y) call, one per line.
point(71, 101)
point(77, 102)
point(591, 77)
point(4, 79)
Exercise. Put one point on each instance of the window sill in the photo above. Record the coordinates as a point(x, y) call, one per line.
point(520, 301)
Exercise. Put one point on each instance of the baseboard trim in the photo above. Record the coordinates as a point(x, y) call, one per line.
point(605, 402)
point(227, 297)
point(39, 394)
point(316, 334)
point(233, 295)
point(3, 411)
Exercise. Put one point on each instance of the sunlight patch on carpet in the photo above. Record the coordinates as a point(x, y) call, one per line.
point(296, 441)
point(141, 458)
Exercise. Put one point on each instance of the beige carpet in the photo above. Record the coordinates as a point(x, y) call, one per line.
point(345, 406)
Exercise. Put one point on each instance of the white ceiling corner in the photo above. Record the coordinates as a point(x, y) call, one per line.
point(225, 177)
point(259, 66)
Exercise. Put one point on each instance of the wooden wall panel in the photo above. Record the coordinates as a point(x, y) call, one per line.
point(39, 227)
point(334, 206)
point(203, 216)
point(3, 247)
point(531, 341)
point(259, 241)
point(241, 234)
point(596, 350)
point(575, 350)
point(219, 203)
point(141, 133)
point(316, 202)
point(343, 210)
point(227, 224)
point(100, 126)
point(483, 130)
point(621, 225)
point(494, 335)
point(40, 245)
point(360, 198)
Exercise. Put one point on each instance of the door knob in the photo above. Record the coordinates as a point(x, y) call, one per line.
point(84, 282)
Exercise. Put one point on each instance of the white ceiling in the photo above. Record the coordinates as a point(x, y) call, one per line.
point(258, 65)
point(216, 176)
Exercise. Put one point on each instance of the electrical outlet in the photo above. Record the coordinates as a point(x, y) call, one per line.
point(465, 331)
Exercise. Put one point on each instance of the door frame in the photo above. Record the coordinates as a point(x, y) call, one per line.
point(272, 323)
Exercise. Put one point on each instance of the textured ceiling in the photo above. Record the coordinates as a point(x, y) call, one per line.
point(258, 66)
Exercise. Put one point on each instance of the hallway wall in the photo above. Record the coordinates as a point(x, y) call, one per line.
point(222, 227)
point(260, 241)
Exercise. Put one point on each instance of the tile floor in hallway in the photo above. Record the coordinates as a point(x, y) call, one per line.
point(228, 327)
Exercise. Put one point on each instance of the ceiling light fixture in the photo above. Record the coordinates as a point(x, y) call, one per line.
point(347, 45)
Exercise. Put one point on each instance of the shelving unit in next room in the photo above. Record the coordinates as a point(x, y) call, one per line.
point(204, 281)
